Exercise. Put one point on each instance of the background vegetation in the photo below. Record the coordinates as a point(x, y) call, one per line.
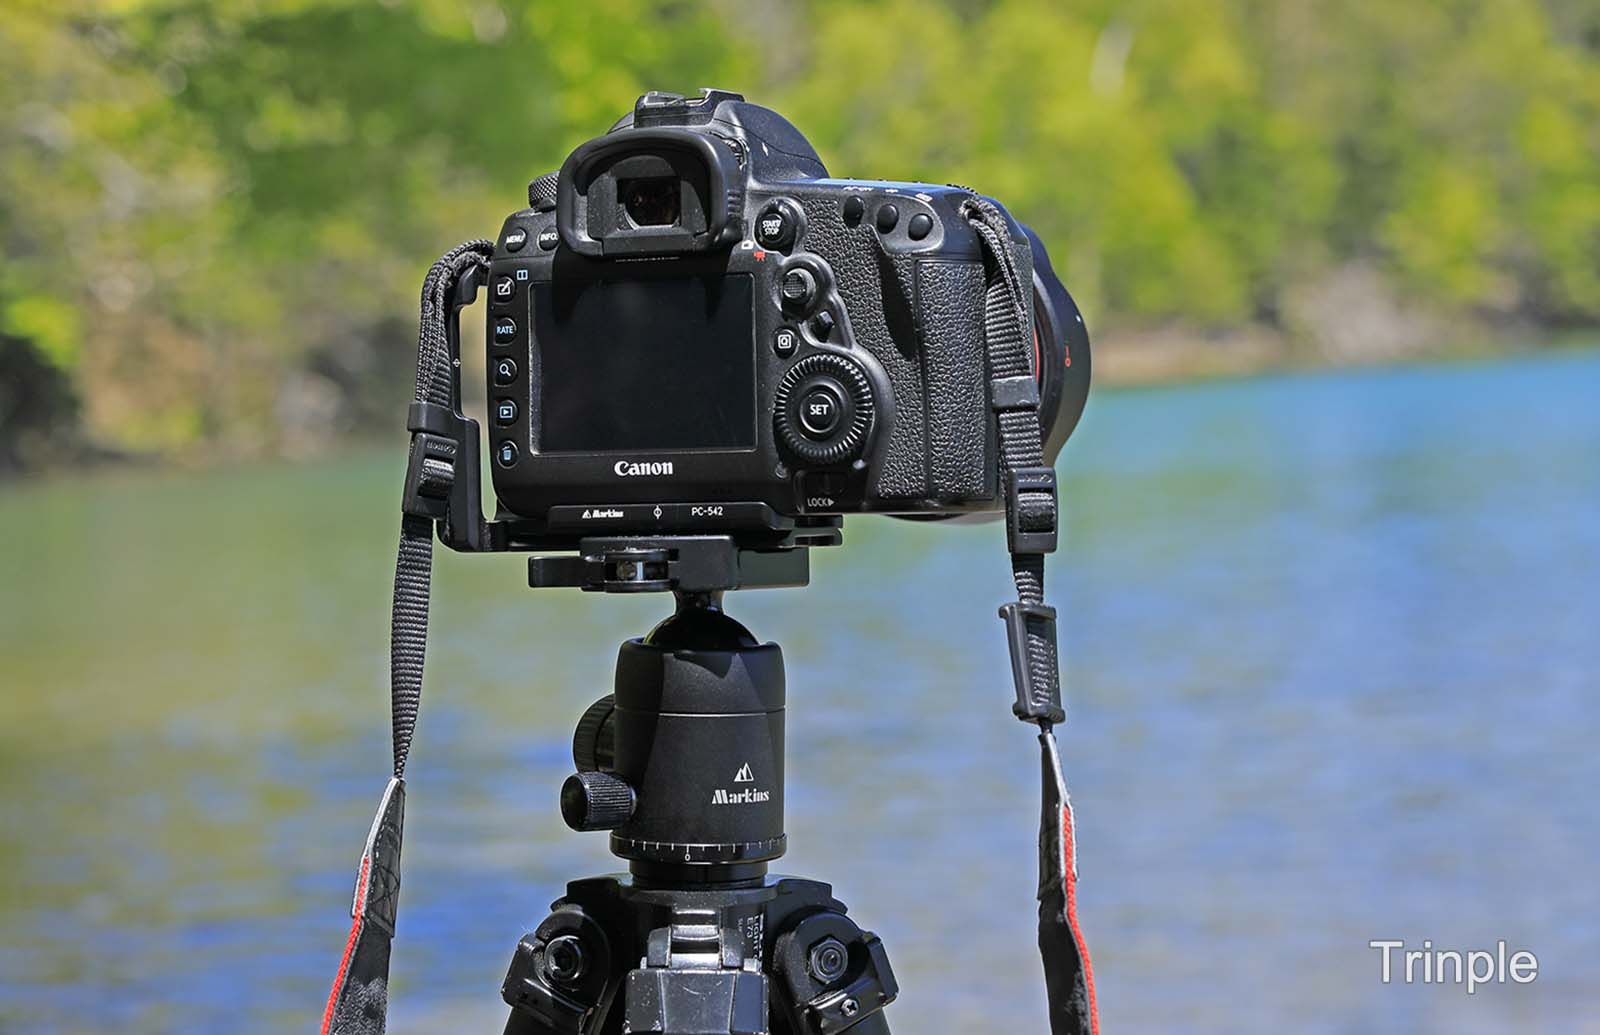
point(214, 216)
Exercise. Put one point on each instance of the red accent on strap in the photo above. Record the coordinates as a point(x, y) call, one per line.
point(1069, 851)
point(350, 943)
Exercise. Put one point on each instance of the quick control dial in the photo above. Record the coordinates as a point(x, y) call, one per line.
point(824, 409)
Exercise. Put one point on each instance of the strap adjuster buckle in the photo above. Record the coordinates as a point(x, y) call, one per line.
point(431, 468)
point(1031, 509)
point(1035, 672)
point(1014, 393)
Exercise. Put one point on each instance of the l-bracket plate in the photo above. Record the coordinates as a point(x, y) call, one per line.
point(684, 564)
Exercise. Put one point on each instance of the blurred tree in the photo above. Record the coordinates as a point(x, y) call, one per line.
point(213, 215)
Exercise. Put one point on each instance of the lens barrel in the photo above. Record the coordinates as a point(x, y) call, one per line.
point(1061, 353)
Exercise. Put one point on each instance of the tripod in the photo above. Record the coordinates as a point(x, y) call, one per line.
point(683, 764)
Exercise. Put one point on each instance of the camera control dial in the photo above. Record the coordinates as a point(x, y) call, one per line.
point(824, 409)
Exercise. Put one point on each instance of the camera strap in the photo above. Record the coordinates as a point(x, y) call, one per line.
point(358, 1001)
point(1032, 520)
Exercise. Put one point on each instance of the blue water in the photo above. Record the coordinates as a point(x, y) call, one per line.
point(1331, 649)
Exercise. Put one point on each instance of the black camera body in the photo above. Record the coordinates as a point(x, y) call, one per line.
point(693, 329)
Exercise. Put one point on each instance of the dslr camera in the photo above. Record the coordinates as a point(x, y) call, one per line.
point(702, 352)
point(694, 329)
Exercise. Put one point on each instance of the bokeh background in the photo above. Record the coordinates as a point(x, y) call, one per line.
point(1328, 588)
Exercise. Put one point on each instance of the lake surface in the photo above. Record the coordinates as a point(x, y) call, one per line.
point(1332, 653)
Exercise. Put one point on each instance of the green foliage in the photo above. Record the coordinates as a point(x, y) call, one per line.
point(214, 215)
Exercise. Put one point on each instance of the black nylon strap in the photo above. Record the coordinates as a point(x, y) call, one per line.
point(1032, 515)
point(1029, 485)
point(359, 1001)
point(413, 570)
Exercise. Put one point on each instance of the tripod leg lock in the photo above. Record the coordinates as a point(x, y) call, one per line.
point(558, 975)
point(829, 998)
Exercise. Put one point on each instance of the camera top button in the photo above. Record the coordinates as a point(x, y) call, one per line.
point(775, 227)
point(887, 217)
point(854, 209)
point(921, 226)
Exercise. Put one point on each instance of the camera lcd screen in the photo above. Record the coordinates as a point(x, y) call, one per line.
point(655, 364)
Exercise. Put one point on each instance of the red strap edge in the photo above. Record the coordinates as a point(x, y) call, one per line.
point(356, 915)
point(1069, 880)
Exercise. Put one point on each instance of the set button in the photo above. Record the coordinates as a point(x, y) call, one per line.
point(819, 412)
point(505, 370)
point(505, 330)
